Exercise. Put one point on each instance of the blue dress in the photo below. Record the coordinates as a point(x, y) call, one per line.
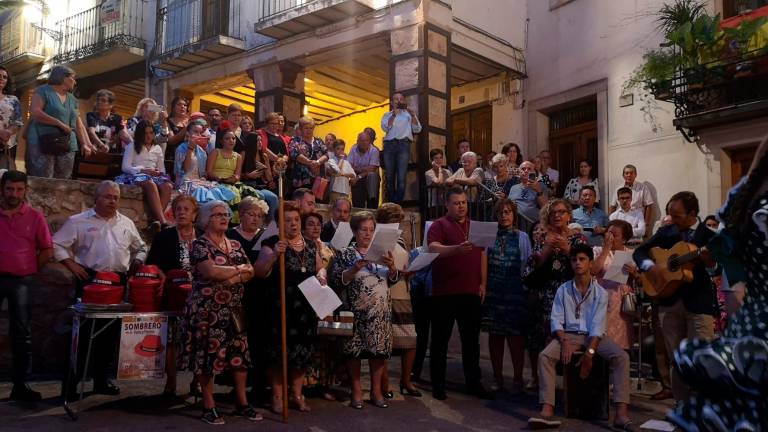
point(505, 305)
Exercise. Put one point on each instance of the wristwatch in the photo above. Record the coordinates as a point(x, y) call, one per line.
point(591, 351)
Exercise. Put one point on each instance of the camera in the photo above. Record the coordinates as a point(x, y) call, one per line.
point(155, 108)
point(532, 177)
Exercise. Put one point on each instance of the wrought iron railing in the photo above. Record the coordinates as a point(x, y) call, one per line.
point(184, 23)
point(270, 8)
point(18, 36)
point(716, 85)
point(99, 29)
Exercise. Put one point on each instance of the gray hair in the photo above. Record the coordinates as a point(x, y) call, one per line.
point(206, 210)
point(469, 154)
point(106, 184)
point(499, 159)
point(251, 202)
point(58, 73)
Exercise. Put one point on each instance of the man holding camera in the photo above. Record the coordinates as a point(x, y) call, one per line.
point(529, 195)
point(399, 125)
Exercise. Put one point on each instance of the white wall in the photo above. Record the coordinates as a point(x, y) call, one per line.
point(502, 18)
point(586, 41)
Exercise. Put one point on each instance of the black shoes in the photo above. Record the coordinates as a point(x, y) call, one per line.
point(106, 388)
point(439, 394)
point(478, 391)
point(22, 393)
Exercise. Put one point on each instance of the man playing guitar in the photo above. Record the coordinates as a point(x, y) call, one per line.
point(688, 312)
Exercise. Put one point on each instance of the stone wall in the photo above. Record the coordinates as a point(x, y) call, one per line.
point(51, 320)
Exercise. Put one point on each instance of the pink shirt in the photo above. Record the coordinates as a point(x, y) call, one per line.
point(22, 236)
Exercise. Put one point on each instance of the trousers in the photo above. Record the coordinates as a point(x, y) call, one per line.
point(396, 155)
point(466, 310)
point(17, 290)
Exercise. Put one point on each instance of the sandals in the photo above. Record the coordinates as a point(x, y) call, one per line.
point(212, 417)
point(247, 412)
point(299, 403)
point(626, 426)
point(537, 423)
point(356, 404)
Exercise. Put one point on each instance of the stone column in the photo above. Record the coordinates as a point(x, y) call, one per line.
point(419, 70)
point(279, 88)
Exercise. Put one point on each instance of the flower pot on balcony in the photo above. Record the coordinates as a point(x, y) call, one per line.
point(745, 69)
point(661, 90)
point(694, 78)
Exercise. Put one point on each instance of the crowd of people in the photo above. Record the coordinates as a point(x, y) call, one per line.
point(541, 289)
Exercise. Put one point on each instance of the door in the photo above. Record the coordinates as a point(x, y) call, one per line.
point(741, 160)
point(569, 146)
point(474, 125)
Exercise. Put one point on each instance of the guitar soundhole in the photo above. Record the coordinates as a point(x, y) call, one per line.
point(672, 264)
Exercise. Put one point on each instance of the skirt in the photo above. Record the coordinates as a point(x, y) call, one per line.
point(132, 179)
point(403, 326)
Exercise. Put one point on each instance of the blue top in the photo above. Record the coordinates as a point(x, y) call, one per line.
point(594, 306)
point(66, 112)
point(402, 126)
point(590, 220)
point(178, 162)
point(525, 198)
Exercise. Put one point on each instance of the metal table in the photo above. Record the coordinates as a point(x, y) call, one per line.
point(85, 315)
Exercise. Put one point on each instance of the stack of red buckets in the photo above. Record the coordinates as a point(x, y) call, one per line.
point(105, 289)
point(178, 285)
point(145, 289)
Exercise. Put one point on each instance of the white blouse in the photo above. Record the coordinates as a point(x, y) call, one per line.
point(152, 158)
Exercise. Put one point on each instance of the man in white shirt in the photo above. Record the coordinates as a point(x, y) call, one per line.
point(626, 213)
point(546, 168)
point(641, 196)
point(400, 125)
point(578, 322)
point(99, 239)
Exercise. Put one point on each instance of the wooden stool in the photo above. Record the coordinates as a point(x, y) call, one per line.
point(586, 398)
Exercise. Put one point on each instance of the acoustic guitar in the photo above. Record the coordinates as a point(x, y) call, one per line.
point(676, 265)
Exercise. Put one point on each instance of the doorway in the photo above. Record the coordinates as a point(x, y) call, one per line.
point(572, 138)
point(741, 160)
point(475, 125)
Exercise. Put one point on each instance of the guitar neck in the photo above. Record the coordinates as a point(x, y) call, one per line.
point(690, 256)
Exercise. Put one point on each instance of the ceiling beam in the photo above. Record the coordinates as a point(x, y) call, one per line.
point(348, 87)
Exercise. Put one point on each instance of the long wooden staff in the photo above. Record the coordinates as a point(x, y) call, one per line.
point(280, 169)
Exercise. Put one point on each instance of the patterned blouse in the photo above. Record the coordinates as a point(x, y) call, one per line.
point(302, 176)
point(10, 112)
point(573, 189)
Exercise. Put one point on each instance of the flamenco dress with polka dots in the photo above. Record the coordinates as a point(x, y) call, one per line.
point(731, 373)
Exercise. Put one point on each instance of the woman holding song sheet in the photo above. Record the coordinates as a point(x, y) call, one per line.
point(367, 288)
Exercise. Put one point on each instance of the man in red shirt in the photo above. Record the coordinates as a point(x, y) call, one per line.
point(25, 245)
point(458, 288)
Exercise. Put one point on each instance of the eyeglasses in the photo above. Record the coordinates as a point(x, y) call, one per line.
point(103, 100)
point(220, 215)
point(559, 212)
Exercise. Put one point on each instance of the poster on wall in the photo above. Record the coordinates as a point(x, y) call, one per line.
point(110, 11)
point(143, 343)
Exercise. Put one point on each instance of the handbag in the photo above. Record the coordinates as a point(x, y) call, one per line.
point(320, 187)
point(629, 304)
point(54, 143)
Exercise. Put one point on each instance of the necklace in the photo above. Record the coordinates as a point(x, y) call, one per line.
point(583, 299)
point(464, 231)
point(300, 248)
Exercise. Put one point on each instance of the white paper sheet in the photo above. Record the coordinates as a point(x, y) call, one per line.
point(658, 425)
point(269, 231)
point(483, 234)
point(614, 272)
point(380, 226)
point(427, 225)
point(342, 237)
point(421, 261)
point(321, 297)
point(384, 240)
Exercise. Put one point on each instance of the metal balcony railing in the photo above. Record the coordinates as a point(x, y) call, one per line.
point(270, 8)
point(99, 29)
point(18, 37)
point(184, 23)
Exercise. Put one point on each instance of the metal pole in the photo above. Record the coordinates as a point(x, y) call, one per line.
point(283, 331)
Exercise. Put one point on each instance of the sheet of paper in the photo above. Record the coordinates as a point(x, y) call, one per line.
point(427, 224)
point(269, 231)
point(387, 226)
point(483, 234)
point(384, 240)
point(321, 297)
point(614, 271)
point(342, 237)
point(658, 425)
point(421, 261)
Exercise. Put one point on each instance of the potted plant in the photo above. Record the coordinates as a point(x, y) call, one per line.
point(739, 43)
point(655, 74)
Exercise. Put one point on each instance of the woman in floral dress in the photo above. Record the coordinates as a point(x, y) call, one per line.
point(216, 339)
point(367, 287)
point(547, 269)
point(308, 154)
point(10, 120)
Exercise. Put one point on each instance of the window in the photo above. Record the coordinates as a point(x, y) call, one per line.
point(737, 7)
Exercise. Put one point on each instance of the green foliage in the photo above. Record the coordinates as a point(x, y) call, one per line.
point(741, 35)
point(658, 66)
point(671, 16)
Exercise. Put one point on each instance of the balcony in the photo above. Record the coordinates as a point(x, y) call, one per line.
point(22, 46)
point(718, 93)
point(191, 32)
point(281, 19)
point(99, 39)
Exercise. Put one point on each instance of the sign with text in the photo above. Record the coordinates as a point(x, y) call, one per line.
point(143, 345)
point(110, 11)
